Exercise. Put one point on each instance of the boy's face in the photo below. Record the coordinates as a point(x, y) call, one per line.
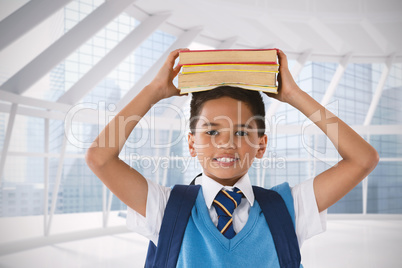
point(226, 140)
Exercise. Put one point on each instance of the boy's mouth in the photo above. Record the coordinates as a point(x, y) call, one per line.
point(225, 161)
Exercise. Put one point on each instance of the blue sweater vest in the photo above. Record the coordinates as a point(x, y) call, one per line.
point(204, 246)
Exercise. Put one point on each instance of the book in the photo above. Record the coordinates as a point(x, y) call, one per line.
point(222, 77)
point(230, 67)
point(250, 56)
point(254, 69)
point(268, 89)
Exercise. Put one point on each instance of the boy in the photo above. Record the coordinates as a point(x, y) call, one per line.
point(227, 133)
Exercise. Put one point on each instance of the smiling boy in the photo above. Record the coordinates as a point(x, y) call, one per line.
point(227, 134)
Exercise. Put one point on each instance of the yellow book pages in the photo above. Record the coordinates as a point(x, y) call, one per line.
point(240, 67)
point(213, 78)
point(268, 89)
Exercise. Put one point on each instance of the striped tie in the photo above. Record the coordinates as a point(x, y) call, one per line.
point(225, 203)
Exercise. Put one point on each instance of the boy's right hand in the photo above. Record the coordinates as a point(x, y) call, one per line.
point(163, 81)
point(287, 87)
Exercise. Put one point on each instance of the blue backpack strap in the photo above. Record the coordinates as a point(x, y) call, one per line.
point(281, 225)
point(149, 261)
point(174, 223)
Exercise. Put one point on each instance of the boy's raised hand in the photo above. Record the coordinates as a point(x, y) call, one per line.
point(359, 158)
point(163, 81)
point(287, 87)
point(125, 182)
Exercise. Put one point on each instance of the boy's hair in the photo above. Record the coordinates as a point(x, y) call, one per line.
point(252, 99)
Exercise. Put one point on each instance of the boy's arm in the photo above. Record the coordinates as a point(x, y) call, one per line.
point(359, 158)
point(103, 155)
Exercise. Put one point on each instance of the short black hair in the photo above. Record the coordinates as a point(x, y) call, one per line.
point(251, 98)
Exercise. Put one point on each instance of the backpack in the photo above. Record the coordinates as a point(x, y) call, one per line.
point(177, 214)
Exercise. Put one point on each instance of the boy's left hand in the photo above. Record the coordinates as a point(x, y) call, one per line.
point(163, 81)
point(287, 87)
point(359, 158)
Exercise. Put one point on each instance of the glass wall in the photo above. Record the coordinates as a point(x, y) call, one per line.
point(385, 183)
point(160, 151)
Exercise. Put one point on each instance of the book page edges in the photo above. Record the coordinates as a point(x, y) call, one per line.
point(269, 89)
point(224, 62)
point(226, 70)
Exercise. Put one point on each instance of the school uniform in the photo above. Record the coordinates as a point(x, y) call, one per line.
point(308, 221)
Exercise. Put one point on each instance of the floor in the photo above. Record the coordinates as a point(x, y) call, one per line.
point(347, 243)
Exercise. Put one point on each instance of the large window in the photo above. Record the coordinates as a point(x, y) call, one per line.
point(159, 151)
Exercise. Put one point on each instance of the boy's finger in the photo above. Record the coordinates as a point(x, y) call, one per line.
point(173, 56)
point(283, 60)
point(271, 95)
point(176, 70)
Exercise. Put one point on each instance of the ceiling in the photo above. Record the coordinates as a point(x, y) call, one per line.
point(369, 31)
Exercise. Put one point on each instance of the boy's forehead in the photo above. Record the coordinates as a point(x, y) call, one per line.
point(225, 105)
point(223, 110)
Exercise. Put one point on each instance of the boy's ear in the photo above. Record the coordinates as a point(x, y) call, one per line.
point(191, 148)
point(263, 146)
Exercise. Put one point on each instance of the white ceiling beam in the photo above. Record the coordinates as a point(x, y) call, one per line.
point(140, 14)
point(340, 70)
point(301, 61)
point(64, 46)
point(108, 208)
point(5, 108)
point(360, 129)
point(113, 58)
point(44, 155)
point(228, 43)
point(282, 32)
point(7, 138)
point(355, 59)
point(86, 115)
point(378, 91)
point(327, 34)
point(59, 174)
point(165, 123)
point(32, 102)
point(375, 34)
point(26, 18)
point(125, 157)
point(46, 165)
point(184, 40)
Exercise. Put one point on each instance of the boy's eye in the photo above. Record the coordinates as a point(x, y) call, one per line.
point(241, 133)
point(212, 132)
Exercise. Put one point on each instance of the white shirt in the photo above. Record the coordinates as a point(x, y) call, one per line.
point(309, 221)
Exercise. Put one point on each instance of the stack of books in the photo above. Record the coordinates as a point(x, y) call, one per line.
point(253, 69)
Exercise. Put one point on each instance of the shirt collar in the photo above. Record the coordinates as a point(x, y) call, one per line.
point(211, 188)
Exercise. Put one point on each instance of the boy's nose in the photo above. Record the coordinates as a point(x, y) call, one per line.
point(226, 141)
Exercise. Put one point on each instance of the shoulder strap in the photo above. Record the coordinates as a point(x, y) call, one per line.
point(281, 225)
point(175, 219)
